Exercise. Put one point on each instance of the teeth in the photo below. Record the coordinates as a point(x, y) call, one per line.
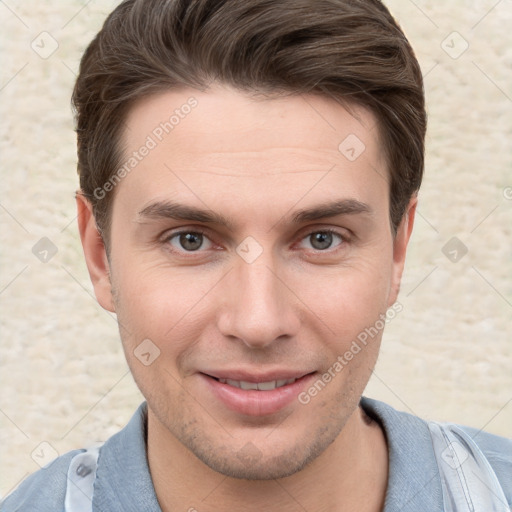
point(261, 386)
point(267, 386)
point(246, 385)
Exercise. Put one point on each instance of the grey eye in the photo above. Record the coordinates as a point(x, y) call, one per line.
point(321, 240)
point(190, 241)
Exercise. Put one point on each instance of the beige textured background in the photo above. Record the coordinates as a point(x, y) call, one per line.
point(447, 356)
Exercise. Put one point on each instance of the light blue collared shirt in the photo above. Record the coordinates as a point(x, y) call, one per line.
point(123, 482)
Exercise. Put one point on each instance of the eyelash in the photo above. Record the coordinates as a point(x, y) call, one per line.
point(343, 237)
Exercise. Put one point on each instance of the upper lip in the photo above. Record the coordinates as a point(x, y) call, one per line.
point(255, 376)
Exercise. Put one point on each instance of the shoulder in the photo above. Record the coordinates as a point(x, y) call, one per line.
point(411, 445)
point(44, 490)
point(121, 480)
point(498, 451)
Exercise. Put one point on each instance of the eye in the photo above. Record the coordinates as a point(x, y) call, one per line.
point(188, 241)
point(196, 240)
point(322, 240)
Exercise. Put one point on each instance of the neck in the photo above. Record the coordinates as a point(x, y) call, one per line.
point(351, 474)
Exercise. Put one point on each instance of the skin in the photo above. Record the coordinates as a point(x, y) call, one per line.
point(297, 306)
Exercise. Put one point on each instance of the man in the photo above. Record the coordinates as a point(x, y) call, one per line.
point(248, 184)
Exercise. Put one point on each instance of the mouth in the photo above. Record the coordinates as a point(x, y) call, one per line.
point(260, 386)
point(256, 395)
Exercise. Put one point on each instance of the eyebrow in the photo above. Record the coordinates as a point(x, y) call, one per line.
point(177, 211)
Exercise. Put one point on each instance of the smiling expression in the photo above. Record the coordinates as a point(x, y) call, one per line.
point(249, 252)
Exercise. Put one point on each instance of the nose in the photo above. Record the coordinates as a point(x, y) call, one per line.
point(257, 305)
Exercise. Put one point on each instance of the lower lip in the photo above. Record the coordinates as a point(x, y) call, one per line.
point(252, 402)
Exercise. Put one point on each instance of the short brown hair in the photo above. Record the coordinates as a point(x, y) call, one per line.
point(350, 50)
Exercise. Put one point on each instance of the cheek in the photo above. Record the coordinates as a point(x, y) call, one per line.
point(160, 304)
point(349, 298)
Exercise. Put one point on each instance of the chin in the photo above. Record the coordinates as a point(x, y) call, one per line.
point(254, 461)
point(250, 464)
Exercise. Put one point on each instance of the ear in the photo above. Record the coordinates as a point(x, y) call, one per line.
point(400, 248)
point(95, 253)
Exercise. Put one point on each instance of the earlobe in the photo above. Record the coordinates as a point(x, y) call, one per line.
point(95, 253)
point(400, 247)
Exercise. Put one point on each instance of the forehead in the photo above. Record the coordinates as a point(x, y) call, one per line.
point(222, 141)
point(226, 119)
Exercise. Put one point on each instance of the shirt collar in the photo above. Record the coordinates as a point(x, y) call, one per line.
point(123, 481)
point(413, 481)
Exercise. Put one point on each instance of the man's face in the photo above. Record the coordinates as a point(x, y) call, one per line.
point(269, 296)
